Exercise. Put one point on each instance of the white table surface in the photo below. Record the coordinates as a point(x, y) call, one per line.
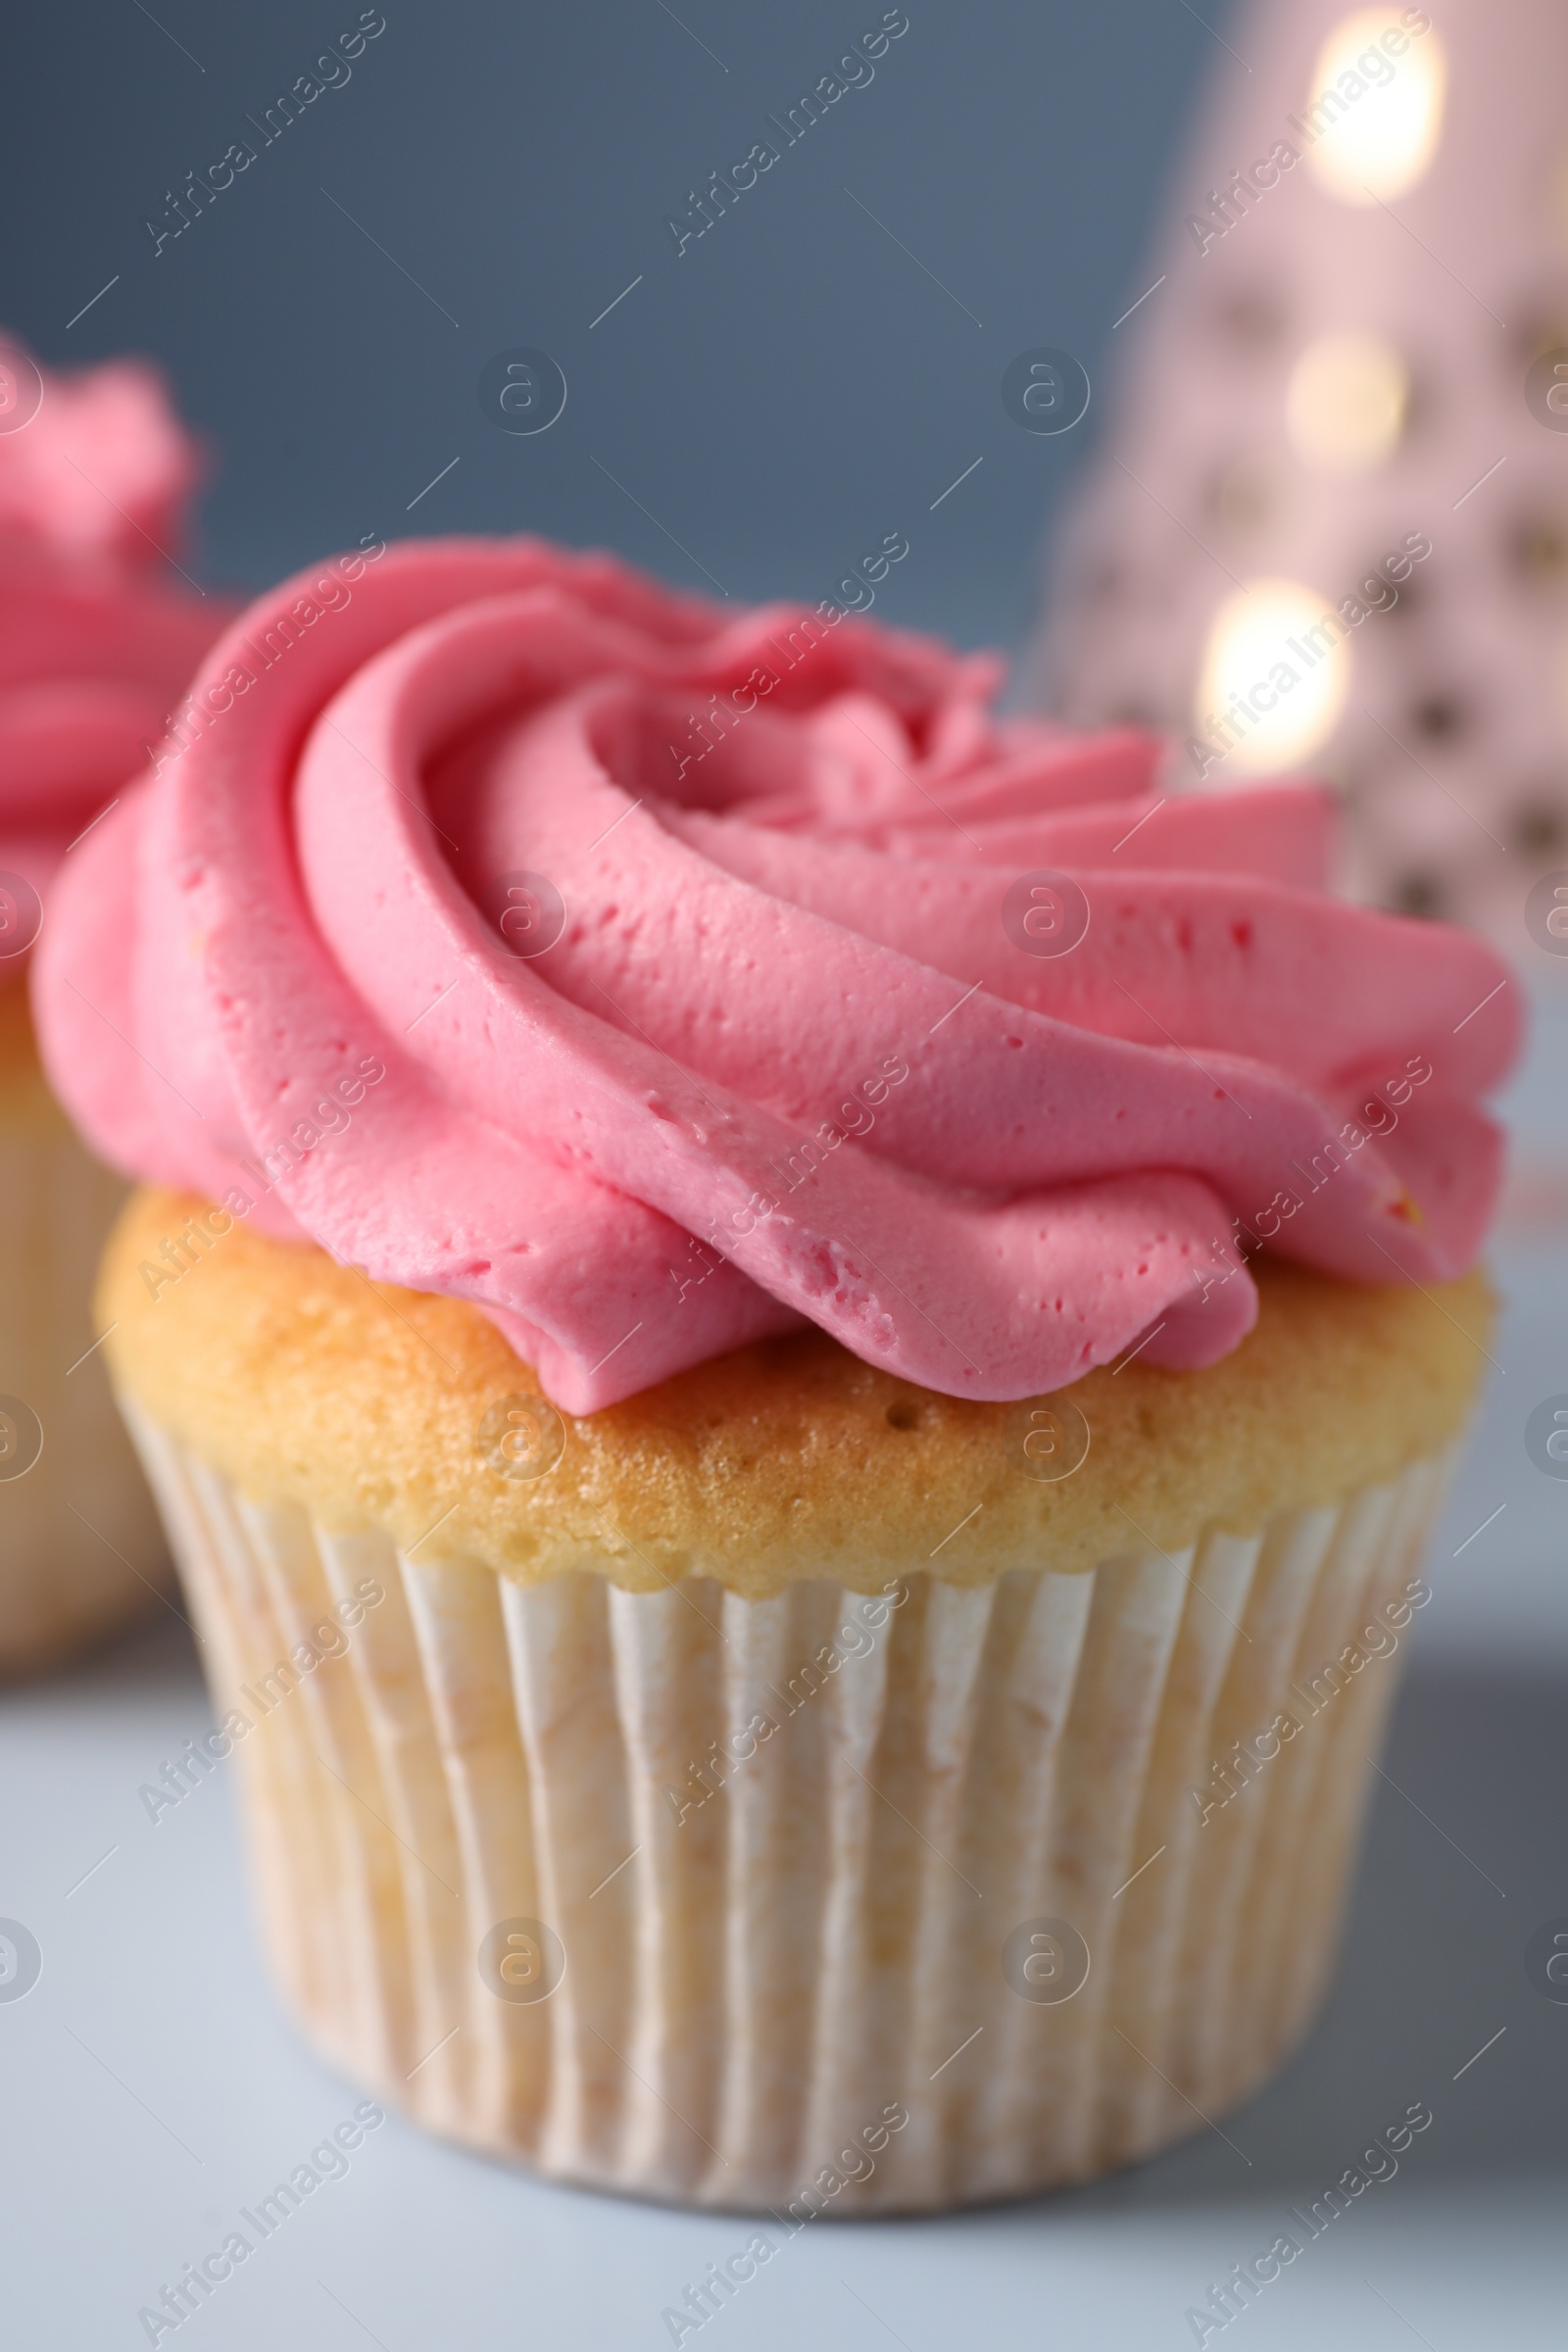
point(150, 2085)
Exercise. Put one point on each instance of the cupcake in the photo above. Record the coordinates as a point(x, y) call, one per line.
point(94, 651)
point(796, 1346)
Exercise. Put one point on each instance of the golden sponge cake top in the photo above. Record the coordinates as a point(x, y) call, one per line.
point(373, 1406)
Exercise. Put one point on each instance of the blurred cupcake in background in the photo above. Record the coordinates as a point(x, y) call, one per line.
point(97, 640)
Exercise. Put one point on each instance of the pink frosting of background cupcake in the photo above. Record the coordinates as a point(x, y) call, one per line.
point(95, 646)
point(657, 975)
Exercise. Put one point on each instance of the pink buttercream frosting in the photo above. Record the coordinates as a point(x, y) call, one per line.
point(657, 976)
point(94, 646)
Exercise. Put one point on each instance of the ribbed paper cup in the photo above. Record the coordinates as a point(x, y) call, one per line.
point(80, 1548)
point(817, 1902)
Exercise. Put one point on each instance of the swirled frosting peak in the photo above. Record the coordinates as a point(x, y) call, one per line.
point(96, 641)
point(657, 975)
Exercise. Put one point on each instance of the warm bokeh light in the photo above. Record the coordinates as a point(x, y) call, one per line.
point(1380, 139)
point(1347, 403)
point(1276, 671)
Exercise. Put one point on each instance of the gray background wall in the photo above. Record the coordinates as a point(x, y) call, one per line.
point(791, 388)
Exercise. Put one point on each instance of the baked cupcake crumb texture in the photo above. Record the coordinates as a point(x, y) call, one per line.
point(791, 1460)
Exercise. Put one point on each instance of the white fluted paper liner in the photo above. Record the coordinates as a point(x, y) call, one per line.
point(80, 1548)
point(757, 1987)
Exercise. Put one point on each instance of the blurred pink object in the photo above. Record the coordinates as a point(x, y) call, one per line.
point(95, 649)
point(1328, 528)
point(101, 468)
